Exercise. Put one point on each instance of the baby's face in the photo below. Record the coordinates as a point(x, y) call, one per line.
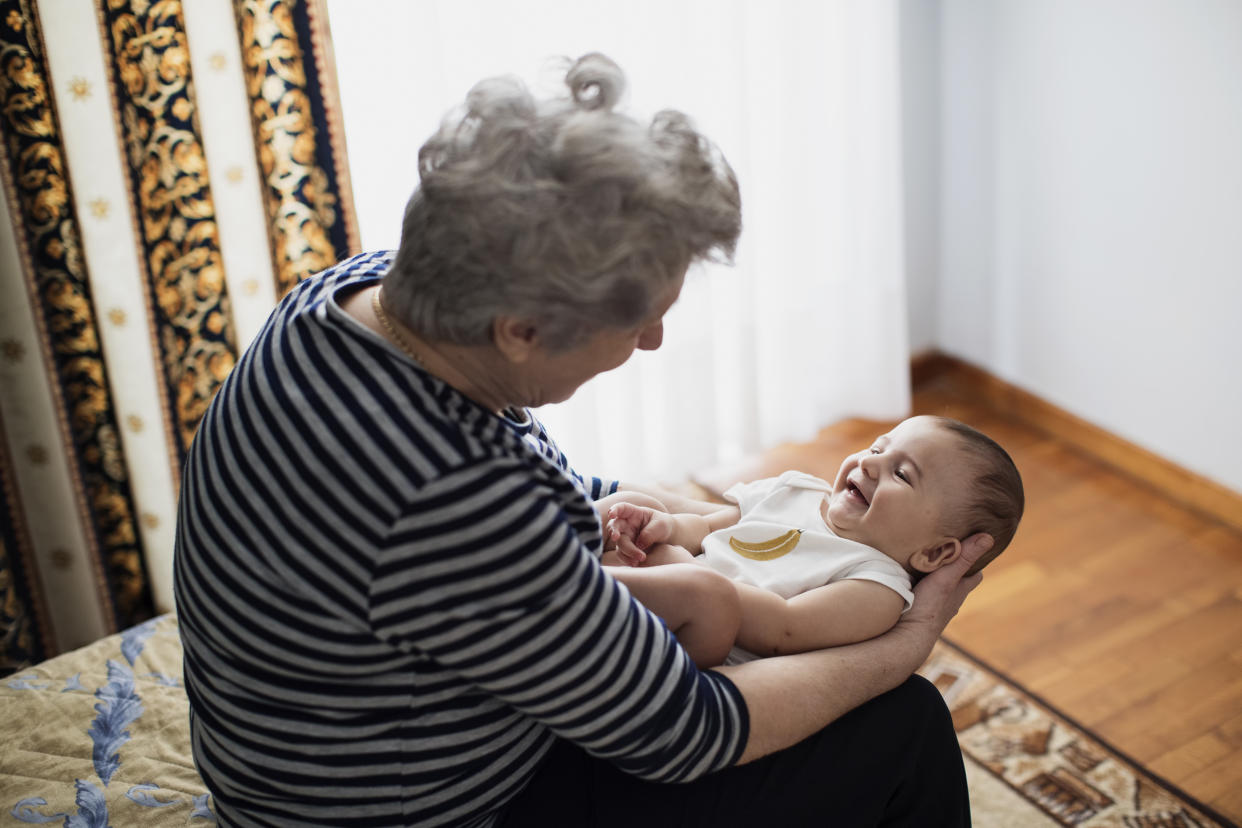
point(894, 495)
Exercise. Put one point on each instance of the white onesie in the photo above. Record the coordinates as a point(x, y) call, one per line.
point(782, 544)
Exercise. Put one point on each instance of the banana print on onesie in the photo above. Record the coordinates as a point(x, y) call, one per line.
point(767, 550)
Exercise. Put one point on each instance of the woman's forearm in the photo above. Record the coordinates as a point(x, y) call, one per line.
point(791, 697)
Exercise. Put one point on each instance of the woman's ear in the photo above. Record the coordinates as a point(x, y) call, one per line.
point(515, 338)
point(945, 551)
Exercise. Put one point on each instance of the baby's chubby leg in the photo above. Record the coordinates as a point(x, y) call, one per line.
point(700, 607)
point(662, 554)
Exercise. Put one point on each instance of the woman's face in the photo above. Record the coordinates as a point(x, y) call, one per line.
point(555, 376)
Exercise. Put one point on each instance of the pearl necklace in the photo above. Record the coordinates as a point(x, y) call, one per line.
point(396, 336)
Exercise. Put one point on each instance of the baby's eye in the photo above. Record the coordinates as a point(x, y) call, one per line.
point(902, 476)
point(874, 450)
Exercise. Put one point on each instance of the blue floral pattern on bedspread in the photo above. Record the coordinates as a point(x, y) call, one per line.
point(111, 735)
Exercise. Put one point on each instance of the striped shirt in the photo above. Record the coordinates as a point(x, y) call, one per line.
point(390, 598)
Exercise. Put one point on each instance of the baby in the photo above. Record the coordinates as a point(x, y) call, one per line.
point(818, 565)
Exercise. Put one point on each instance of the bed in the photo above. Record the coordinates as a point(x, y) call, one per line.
point(100, 736)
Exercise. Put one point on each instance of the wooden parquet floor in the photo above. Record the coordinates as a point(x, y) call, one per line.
point(1117, 605)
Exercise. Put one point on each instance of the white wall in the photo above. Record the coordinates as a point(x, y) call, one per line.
point(920, 84)
point(1088, 241)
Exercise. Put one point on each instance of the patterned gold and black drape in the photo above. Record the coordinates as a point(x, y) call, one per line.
point(49, 247)
point(135, 180)
point(152, 82)
point(281, 57)
point(23, 614)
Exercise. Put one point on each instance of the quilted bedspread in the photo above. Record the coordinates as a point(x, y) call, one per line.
point(100, 736)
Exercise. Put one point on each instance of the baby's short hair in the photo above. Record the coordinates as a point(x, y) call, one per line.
point(995, 500)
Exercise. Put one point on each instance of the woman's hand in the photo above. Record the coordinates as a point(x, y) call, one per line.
point(939, 596)
point(633, 529)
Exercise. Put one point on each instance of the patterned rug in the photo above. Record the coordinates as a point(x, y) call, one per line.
point(1031, 767)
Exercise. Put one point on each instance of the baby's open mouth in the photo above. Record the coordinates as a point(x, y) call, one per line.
point(857, 492)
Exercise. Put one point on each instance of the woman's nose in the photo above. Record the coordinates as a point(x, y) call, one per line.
point(651, 337)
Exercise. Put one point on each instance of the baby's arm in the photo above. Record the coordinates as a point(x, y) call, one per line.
point(637, 498)
point(634, 529)
point(843, 612)
point(672, 501)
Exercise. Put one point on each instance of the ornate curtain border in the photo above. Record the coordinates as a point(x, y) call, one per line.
point(37, 185)
point(24, 618)
point(170, 191)
point(299, 140)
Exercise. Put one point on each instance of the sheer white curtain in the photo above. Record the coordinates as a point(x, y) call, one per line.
point(803, 98)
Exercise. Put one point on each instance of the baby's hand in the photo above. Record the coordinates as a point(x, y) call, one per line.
point(633, 529)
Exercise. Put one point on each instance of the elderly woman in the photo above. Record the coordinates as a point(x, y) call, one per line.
point(388, 575)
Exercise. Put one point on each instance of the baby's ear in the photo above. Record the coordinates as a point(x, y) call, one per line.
point(944, 551)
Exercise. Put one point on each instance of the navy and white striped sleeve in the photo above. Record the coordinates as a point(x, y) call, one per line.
point(507, 598)
point(595, 487)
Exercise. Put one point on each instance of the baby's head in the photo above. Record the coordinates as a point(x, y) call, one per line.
point(921, 489)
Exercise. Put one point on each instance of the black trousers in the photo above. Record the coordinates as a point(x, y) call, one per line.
point(894, 761)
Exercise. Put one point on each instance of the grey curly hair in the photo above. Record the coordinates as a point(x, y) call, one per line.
point(560, 211)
